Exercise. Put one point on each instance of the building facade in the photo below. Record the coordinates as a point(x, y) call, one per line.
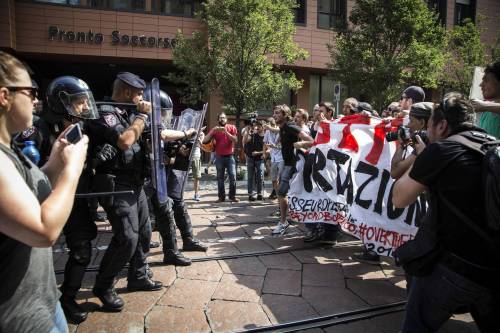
point(96, 39)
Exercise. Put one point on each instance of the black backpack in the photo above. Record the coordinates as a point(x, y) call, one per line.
point(489, 148)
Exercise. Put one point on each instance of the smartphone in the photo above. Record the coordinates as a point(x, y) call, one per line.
point(74, 135)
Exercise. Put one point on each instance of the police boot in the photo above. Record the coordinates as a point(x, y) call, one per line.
point(175, 258)
point(72, 310)
point(109, 298)
point(193, 244)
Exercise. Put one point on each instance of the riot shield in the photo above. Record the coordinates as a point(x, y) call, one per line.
point(158, 172)
point(178, 172)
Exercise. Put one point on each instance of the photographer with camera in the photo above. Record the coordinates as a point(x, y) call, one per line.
point(460, 268)
point(403, 159)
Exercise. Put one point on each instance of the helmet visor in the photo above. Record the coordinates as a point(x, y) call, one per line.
point(81, 105)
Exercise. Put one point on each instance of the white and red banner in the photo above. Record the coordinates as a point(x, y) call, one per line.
point(345, 179)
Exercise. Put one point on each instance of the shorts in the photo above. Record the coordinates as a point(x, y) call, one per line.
point(276, 169)
point(196, 168)
point(286, 174)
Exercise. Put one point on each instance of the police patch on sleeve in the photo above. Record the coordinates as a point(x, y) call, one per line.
point(28, 132)
point(110, 119)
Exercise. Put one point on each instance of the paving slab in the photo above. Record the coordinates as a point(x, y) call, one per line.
point(167, 319)
point(142, 301)
point(323, 275)
point(282, 308)
point(252, 245)
point(243, 288)
point(258, 229)
point(376, 292)
point(281, 261)
point(282, 282)
point(331, 300)
point(229, 316)
point(165, 274)
point(462, 323)
point(105, 322)
point(316, 256)
point(231, 231)
point(206, 233)
point(204, 270)
point(364, 326)
point(222, 248)
point(358, 270)
point(288, 243)
point(243, 266)
point(189, 294)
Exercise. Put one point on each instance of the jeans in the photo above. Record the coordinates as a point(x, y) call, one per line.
point(223, 163)
point(255, 169)
point(434, 298)
point(60, 323)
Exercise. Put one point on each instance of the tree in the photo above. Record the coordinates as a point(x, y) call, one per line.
point(240, 53)
point(389, 45)
point(465, 52)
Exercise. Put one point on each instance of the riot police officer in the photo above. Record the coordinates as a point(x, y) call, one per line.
point(173, 210)
point(121, 127)
point(69, 100)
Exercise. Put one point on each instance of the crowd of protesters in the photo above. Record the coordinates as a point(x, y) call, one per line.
point(429, 158)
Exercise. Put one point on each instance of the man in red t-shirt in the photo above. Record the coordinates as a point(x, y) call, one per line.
point(225, 136)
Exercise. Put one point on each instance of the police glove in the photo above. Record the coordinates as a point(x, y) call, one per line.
point(105, 153)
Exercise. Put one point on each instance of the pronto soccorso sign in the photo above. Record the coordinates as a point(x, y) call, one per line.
point(90, 37)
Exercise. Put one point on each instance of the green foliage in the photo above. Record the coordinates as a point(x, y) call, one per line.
point(466, 52)
point(389, 45)
point(240, 53)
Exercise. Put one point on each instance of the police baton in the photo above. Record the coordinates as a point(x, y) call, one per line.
point(101, 194)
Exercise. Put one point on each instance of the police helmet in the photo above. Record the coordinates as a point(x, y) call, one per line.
point(165, 100)
point(69, 96)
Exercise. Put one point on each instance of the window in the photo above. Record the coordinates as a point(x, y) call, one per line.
point(300, 12)
point(440, 7)
point(465, 9)
point(119, 4)
point(61, 2)
point(331, 14)
point(185, 8)
point(320, 89)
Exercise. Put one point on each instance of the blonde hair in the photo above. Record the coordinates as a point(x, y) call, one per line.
point(10, 68)
point(283, 108)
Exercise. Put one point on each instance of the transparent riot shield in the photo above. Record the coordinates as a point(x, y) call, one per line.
point(178, 172)
point(158, 170)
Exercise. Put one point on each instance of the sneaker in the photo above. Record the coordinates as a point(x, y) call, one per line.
point(206, 171)
point(367, 257)
point(273, 195)
point(234, 199)
point(251, 198)
point(280, 228)
point(260, 197)
point(220, 200)
point(196, 197)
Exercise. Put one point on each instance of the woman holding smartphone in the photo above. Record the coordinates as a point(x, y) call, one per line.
point(34, 207)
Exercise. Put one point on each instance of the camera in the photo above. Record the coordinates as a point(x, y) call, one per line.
point(423, 135)
point(402, 131)
point(253, 118)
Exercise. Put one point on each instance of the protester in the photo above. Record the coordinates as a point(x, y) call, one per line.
point(466, 266)
point(196, 166)
point(490, 107)
point(273, 149)
point(411, 95)
point(34, 207)
point(289, 134)
point(349, 106)
point(225, 136)
point(253, 139)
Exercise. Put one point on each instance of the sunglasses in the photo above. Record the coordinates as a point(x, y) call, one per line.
point(33, 91)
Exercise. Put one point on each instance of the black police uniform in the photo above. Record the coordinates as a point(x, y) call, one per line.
point(128, 214)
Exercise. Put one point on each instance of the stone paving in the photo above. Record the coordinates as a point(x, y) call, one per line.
point(261, 290)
